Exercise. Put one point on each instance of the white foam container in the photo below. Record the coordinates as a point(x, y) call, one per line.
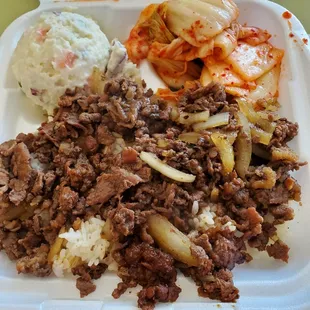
point(264, 283)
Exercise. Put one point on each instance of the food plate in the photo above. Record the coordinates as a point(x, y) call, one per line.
point(263, 283)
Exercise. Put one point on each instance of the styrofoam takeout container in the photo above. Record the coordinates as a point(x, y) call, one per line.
point(264, 283)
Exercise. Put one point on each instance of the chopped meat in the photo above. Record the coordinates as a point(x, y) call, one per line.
point(36, 263)
point(225, 253)
point(285, 131)
point(30, 242)
point(84, 283)
point(148, 296)
point(49, 179)
point(94, 271)
point(88, 144)
point(85, 163)
point(104, 136)
point(123, 112)
point(129, 156)
point(261, 240)
point(67, 198)
point(85, 286)
point(19, 191)
point(124, 220)
point(7, 148)
point(282, 212)
point(38, 184)
point(278, 250)
point(220, 287)
point(212, 98)
point(277, 195)
point(11, 246)
point(88, 118)
point(82, 174)
point(4, 181)
point(112, 184)
point(21, 162)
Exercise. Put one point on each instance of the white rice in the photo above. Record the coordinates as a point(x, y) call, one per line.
point(112, 264)
point(85, 243)
point(195, 207)
point(230, 226)
point(205, 218)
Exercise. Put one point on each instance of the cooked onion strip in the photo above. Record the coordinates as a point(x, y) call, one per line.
point(171, 240)
point(243, 146)
point(260, 136)
point(170, 172)
point(162, 143)
point(259, 151)
point(192, 118)
point(107, 230)
point(216, 120)
point(56, 247)
point(231, 137)
point(283, 153)
point(226, 151)
point(190, 137)
point(247, 109)
point(268, 180)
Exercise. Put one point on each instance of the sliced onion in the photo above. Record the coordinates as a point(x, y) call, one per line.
point(216, 120)
point(162, 143)
point(268, 115)
point(56, 247)
point(259, 151)
point(243, 146)
point(171, 240)
point(192, 118)
point(190, 137)
point(107, 230)
point(170, 172)
point(268, 180)
point(174, 114)
point(284, 154)
point(226, 151)
point(231, 137)
point(247, 109)
point(260, 135)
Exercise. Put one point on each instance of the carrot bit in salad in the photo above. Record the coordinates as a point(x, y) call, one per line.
point(68, 61)
point(41, 34)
